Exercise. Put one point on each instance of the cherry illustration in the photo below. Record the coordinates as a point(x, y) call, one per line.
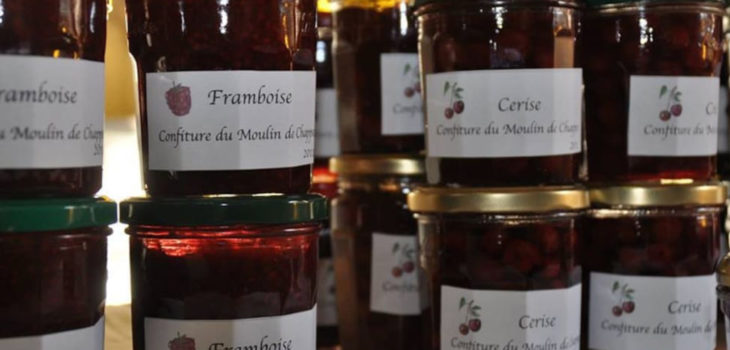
point(417, 87)
point(629, 306)
point(617, 311)
point(463, 329)
point(676, 110)
point(409, 266)
point(449, 113)
point(182, 342)
point(664, 115)
point(397, 272)
point(475, 325)
point(178, 100)
point(409, 92)
point(459, 106)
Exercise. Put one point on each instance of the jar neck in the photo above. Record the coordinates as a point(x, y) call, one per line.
point(389, 184)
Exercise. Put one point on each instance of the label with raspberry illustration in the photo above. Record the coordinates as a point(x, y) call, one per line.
point(510, 320)
point(52, 112)
point(91, 338)
point(326, 301)
point(672, 116)
point(400, 87)
point(395, 276)
point(639, 312)
point(230, 120)
point(295, 331)
point(327, 139)
point(504, 113)
point(722, 129)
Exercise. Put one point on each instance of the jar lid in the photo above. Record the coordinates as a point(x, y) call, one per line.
point(56, 214)
point(659, 195)
point(378, 164)
point(497, 200)
point(224, 210)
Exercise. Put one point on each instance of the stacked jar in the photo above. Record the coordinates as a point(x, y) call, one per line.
point(53, 232)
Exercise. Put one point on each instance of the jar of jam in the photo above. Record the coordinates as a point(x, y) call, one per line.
point(327, 141)
point(224, 272)
point(375, 248)
point(227, 93)
point(53, 255)
point(650, 254)
point(502, 266)
point(723, 144)
point(651, 89)
point(502, 91)
point(377, 77)
point(723, 295)
point(51, 97)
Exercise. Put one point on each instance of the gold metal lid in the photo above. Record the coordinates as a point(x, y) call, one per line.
point(378, 164)
point(659, 195)
point(497, 200)
point(723, 271)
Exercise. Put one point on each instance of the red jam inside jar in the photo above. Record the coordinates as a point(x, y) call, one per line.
point(502, 265)
point(374, 242)
point(53, 256)
point(651, 90)
point(650, 254)
point(226, 94)
point(51, 134)
point(489, 70)
point(723, 296)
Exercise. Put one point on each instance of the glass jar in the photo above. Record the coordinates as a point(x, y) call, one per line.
point(224, 272)
point(53, 272)
point(51, 97)
point(651, 89)
point(375, 249)
point(327, 140)
point(650, 253)
point(723, 296)
point(723, 143)
point(490, 70)
point(227, 93)
point(502, 266)
point(377, 77)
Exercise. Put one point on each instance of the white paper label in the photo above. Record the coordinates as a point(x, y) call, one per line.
point(326, 301)
point(293, 332)
point(504, 113)
point(400, 87)
point(327, 139)
point(510, 320)
point(230, 120)
point(51, 112)
point(672, 116)
point(722, 129)
point(639, 313)
point(89, 338)
point(394, 285)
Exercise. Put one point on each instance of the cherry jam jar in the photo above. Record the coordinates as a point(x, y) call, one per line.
point(650, 255)
point(224, 272)
point(651, 89)
point(375, 247)
point(377, 77)
point(491, 69)
point(227, 93)
point(53, 255)
point(502, 266)
point(51, 97)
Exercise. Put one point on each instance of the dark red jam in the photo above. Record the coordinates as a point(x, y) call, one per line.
point(631, 41)
point(54, 28)
point(723, 145)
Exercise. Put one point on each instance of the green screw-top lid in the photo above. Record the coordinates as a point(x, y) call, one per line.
point(224, 210)
point(57, 214)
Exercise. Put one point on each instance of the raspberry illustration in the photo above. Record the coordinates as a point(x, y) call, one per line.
point(397, 272)
point(475, 325)
point(617, 311)
point(179, 100)
point(471, 321)
point(409, 92)
point(181, 342)
point(459, 106)
point(664, 115)
point(628, 306)
point(409, 266)
point(676, 110)
point(455, 100)
point(674, 105)
point(448, 113)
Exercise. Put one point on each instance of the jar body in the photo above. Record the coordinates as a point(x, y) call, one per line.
point(189, 277)
point(723, 295)
point(251, 59)
point(65, 53)
point(327, 140)
point(723, 142)
point(469, 51)
point(644, 92)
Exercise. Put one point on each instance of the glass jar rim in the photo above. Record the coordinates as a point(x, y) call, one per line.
point(624, 5)
point(56, 214)
point(423, 7)
point(658, 195)
point(498, 200)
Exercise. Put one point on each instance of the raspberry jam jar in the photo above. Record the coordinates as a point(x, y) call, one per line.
point(221, 273)
point(651, 89)
point(650, 255)
point(491, 69)
point(53, 255)
point(227, 94)
point(51, 97)
point(502, 266)
point(377, 77)
point(375, 249)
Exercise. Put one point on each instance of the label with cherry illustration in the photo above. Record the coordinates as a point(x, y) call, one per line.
point(510, 320)
point(640, 312)
point(671, 116)
point(401, 99)
point(504, 113)
point(326, 140)
point(395, 280)
point(230, 120)
point(52, 112)
point(295, 331)
point(326, 300)
point(91, 338)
